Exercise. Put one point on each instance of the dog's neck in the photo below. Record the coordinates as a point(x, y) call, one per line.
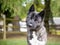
point(39, 27)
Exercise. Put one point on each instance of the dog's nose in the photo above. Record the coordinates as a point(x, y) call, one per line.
point(30, 25)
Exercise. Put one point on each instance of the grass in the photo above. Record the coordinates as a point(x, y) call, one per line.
point(15, 41)
point(52, 40)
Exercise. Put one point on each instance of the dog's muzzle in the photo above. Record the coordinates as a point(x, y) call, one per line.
point(30, 25)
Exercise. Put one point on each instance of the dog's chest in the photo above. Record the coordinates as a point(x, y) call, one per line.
point(39, 37)
point(34, 40)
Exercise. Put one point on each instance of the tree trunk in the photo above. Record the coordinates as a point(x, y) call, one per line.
point(47, 14)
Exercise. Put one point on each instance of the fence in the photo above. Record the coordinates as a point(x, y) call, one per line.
point(4, 26)
point(10, 28)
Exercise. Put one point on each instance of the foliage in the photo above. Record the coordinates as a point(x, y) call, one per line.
point(55, 7)
point(38, 5)
point(15, 7)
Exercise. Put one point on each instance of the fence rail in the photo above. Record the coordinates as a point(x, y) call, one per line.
point(4, 26)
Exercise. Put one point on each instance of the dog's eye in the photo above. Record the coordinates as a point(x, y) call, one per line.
point(35, 19)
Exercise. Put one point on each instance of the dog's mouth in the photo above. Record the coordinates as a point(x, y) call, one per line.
point(34, 28)
point(30, 26)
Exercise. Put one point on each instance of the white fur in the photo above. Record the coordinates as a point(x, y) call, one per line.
point(34, 40)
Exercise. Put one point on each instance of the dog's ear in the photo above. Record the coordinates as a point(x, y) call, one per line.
point(31, 8)
point(41, 14)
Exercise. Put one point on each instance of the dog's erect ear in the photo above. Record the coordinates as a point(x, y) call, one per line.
point(31, 8)
point(41, 14)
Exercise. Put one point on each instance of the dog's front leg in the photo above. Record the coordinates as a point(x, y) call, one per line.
point(29, 36)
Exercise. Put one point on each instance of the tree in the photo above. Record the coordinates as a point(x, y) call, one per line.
point(38, 5)
point(55, 5)
point(48, 14)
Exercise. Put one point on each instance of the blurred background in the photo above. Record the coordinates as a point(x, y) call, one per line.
point(13, 13)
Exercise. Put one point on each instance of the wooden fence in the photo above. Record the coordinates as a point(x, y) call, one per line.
point(4, 26)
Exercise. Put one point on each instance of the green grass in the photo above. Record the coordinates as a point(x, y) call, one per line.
point(53, 42)
point(22, 41)
point(13, 42)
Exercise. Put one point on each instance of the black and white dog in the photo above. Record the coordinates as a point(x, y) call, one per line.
point(36, 32)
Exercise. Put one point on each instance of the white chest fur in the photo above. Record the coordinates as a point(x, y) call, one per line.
point(35, 41)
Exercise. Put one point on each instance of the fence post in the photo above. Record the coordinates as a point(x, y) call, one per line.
point(4, 27)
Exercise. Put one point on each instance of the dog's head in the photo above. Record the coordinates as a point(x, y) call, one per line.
point(34, 19)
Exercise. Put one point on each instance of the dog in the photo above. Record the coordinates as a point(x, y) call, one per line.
point(36, 32)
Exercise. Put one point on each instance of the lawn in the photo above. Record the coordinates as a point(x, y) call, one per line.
point(22, 41)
